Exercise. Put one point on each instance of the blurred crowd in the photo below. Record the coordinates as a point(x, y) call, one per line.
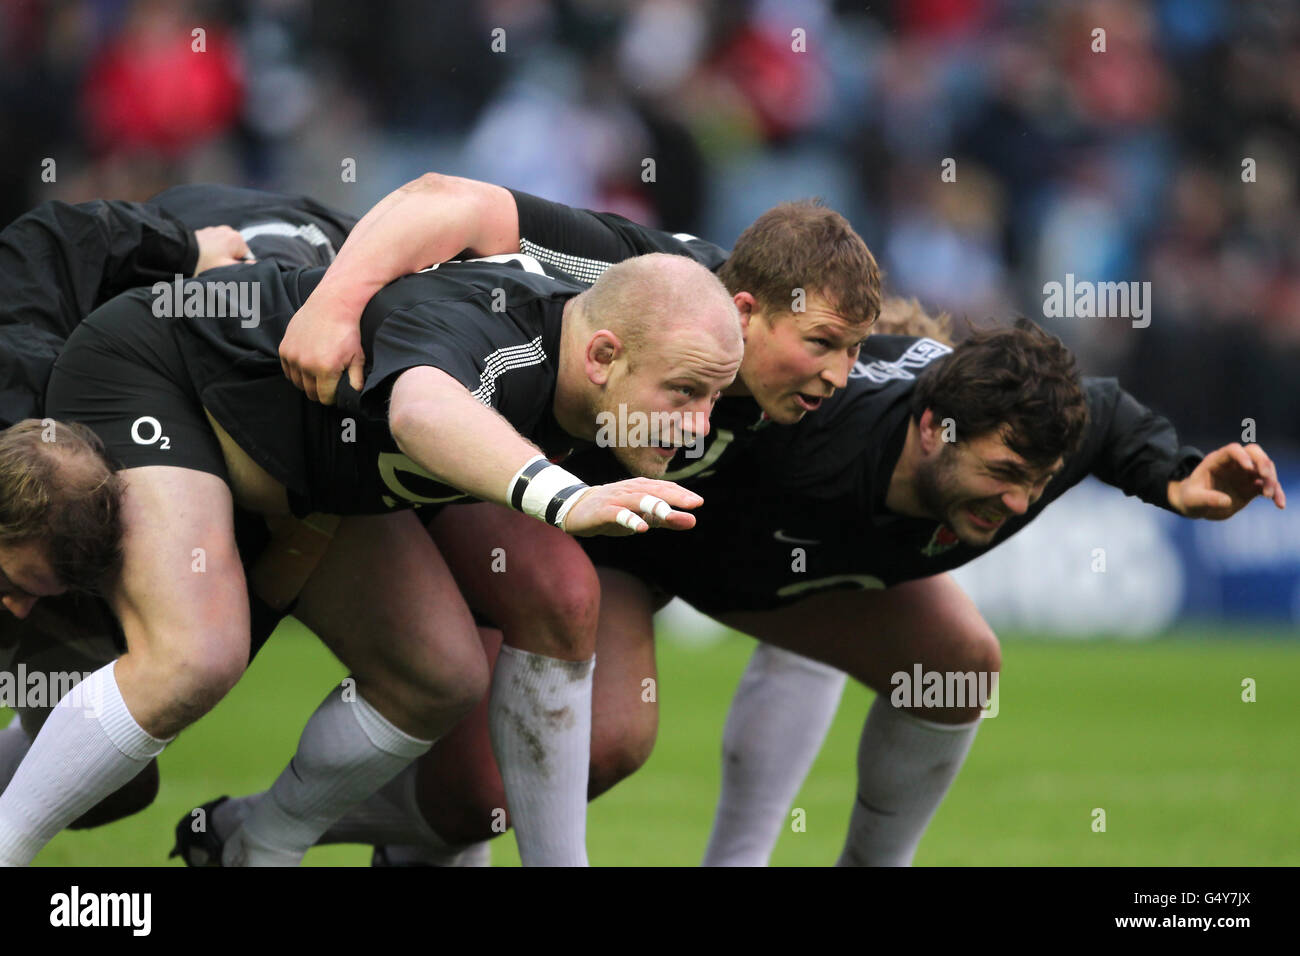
point(1112, 140)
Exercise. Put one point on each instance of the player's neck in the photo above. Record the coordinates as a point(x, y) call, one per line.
point(571, 410)
point(901, 498)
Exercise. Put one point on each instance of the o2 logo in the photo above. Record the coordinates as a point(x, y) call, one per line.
point(147, 430)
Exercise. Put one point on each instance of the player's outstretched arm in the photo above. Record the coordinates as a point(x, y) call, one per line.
point(440, 426)
point(427, 221)
point(1225, 481)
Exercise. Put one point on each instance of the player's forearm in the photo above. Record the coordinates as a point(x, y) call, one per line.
point(427, 221)
point(1138, 451)
point(140, 243)
point(440, 426)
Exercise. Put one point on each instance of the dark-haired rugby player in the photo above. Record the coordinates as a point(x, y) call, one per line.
point(830, 540)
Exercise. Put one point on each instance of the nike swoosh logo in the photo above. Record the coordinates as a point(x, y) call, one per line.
point(782, 536)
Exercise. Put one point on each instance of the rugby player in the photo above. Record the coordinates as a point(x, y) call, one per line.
point(122, 362)
point(880, 505)
point(961, 637)
point(806, 287)
point(57, 263)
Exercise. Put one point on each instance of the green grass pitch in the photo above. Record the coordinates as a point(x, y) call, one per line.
point(1154, 733)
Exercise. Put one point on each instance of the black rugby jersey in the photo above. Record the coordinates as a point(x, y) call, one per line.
point(57, 263)
point(584, 244)
point(293, 230)
point(60, 261)
point(493, 325)
point(803, 508)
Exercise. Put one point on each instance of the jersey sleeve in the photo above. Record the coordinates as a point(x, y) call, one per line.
point(584, 243)
point(1131, 447)
point(26, 357)
point(60, 260)
point(463, 338)
point(293, 230)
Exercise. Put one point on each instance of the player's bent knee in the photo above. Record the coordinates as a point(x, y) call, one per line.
point(185, 686)
point(207, 678)
point(572, 599)
point(616, 756)
point(448, 682)
point(982, 652)
point(560, 610)
point(458, 685)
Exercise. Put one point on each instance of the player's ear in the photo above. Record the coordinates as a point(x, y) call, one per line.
point(929, 431)
point(603, 349)
point(747, 306)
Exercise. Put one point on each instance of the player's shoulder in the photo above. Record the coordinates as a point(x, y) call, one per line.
point(586, 242)
point(1099, 390)
point(646, 239)
point(889, 358)
point(509, 281)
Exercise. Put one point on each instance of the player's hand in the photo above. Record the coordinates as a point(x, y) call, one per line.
point(630, 507)
point(1225, 481)
point(220, 246)
point(320, 343)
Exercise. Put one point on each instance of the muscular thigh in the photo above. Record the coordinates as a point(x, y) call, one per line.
point(382, 595)
point(181, 581)
point(873, 634)
point(180, 596)
point(510, 566)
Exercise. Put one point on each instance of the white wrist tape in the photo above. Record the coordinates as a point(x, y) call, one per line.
point(544, 491)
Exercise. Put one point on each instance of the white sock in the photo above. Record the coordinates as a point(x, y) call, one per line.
point(905, 766)
point(778, 719)
point(390, 816)
point(89, 747)
point(474, 855)
point(539, 717)
point(14, 744)
point(227, 817)
point(347, 751)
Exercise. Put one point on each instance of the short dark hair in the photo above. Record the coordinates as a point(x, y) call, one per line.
point(57, 487)
point(805, 245)
point(1021, 383)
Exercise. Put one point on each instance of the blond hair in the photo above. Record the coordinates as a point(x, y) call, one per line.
point(899, 316)
point(58, 488)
